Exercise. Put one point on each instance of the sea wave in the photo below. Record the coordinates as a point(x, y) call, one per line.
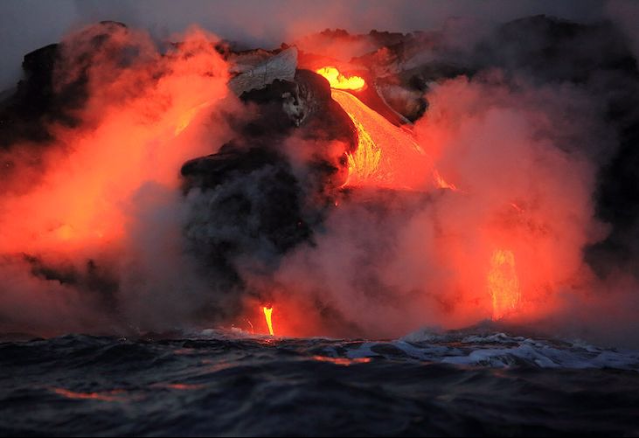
point(227, 382)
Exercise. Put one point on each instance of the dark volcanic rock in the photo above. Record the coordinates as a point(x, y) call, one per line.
point(24, 114)
point(213, 170)
point(248, 202)
point(405, 92)
point(252, 200)
point(280, 66)
point(92, 278)
point(554, 50)
point(246, 208)
point(305, 103)
point(41, 98)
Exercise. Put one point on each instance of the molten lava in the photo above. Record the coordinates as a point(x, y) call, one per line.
point(387, 156)
point(341, 82)
point(268, 312)
point(503, 283)
point(185, 119)
point(441, 183)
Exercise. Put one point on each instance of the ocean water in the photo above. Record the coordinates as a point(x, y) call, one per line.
point(472, 383)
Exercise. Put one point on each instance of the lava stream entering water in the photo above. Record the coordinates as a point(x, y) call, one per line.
point(503, 283)
point(268, 313)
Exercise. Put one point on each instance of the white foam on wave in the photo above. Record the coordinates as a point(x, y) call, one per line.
point(479, 346)
point(503, 350)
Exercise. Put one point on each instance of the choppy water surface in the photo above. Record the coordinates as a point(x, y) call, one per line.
point(221, 383)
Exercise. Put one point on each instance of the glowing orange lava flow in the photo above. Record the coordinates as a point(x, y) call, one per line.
point(387, 156)
point(268, 312)
point(339, 81)
point(185, 120)
point(503, 283)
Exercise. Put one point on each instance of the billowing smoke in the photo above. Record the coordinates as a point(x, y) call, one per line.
point(140, 193)
point(90, 213)
point(531, 128)
point(390, 263)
